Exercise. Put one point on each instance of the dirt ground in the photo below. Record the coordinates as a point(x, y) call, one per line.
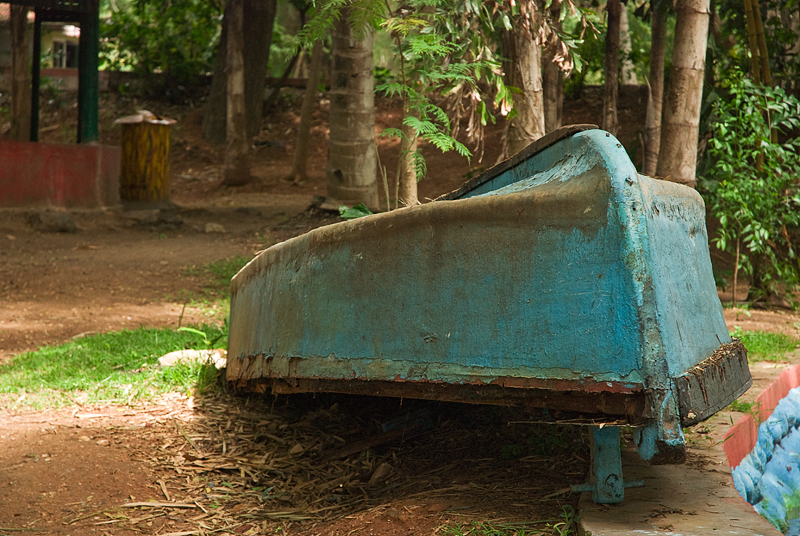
point(84, 470)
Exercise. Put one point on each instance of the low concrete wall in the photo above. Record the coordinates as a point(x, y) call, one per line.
point(59, 175)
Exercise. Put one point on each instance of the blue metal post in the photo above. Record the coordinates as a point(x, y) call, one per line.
point(606, 465)
point(605, 478)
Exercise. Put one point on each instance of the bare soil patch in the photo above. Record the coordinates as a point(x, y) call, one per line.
point(252, 466)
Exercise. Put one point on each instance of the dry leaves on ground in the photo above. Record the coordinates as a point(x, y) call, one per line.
point(233, 465)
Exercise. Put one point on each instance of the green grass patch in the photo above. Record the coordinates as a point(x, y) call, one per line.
point(219, 274)
point(113, 368)
point(485, 528)
point(764, 345)
point(565, 526)
point(213, 301)
point(741, 407)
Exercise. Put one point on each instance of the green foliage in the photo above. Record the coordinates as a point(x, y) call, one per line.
point(281, 50)
point(589, 36)
point(764, 345)
point(749, 181)
point(780, 34)
point(567, 526)
point(721, 279)
point(107, 368)
point(562, 527)
point(586, 29)
point(443, 52)
point(741, 407)
point(207, 343)
point(175, 37)
point(358, 211)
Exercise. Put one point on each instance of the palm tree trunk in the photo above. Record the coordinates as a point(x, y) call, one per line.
point(752, 41)
point(552, 77)
point(352, 155)
point(407, 172)
point(766, 75)
point(628, 74)
point(257, 27)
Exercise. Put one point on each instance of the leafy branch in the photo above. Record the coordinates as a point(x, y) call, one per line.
point(750, 183)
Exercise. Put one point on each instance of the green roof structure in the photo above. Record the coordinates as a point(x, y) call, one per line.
point(86, 14)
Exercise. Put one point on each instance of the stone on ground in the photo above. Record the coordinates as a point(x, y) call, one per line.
point(217, 357)
point(52, 222)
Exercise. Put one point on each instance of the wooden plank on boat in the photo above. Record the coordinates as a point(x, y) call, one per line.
point(713, 383)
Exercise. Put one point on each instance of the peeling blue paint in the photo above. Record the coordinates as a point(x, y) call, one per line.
point(558, 268)
point(562, 270)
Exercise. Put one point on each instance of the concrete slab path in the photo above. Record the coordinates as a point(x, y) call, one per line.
point(693, 499)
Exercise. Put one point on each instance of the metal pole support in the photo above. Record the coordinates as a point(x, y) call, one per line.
point(605, 480)
point(36, 74)
point(88, 98)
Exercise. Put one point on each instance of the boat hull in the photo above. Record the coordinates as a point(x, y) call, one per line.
point(561, 279)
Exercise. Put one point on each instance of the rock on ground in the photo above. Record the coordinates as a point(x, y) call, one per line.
point(216, 357)
point(52, 222)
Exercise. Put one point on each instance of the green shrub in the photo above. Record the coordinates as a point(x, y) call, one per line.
point(177, 38)
point(750, 182)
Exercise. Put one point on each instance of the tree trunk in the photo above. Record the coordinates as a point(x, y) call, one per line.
point(258, 25)
point(20, 75)
point(237, 166)
point(714, 32)
point(407, 170)
point(791, 20)
point(215, 116)
point(299, 173)
point(524, 71)
point(766, 75)
point(352, 154)
point(679, 133)
point(755, 59)
point(656, 87)
point(552, 76)
point(611, 90)
point(259, 21)
point(628, 74)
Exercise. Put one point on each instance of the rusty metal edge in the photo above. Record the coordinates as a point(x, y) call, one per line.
point(538, 146)
point(602, 405)
point(257, 366)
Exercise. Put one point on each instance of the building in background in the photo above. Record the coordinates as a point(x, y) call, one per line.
point(59, 51)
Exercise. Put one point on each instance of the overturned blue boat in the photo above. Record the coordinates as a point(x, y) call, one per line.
point(560, 279)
